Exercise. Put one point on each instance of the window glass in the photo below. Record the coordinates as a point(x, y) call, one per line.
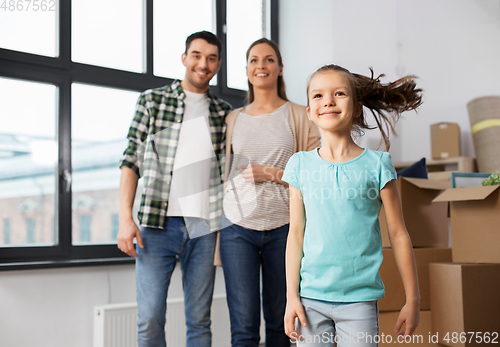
point(28, 159)
point(108, 33)
point(247, 21)
point(30, 230)
point(114, 226)
point(100, 121)
point(171, 28)
point(85, 228)
point(30, 26)
point(6, 231)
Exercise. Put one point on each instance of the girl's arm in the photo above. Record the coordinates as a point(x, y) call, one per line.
point(293, 258)
point(403, 253)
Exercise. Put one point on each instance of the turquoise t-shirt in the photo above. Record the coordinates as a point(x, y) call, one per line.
point(342, 243)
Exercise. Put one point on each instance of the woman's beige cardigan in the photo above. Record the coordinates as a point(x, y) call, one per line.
point(305, 138)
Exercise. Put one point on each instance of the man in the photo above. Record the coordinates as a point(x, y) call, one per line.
point(175, 140)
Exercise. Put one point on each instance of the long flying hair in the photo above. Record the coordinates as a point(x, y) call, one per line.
point(281, 82)
point(386, 102)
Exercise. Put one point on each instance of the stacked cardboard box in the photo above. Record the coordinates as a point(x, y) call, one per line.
point(465, 303)
point(395, 297)
point(426, 221)
point(427, 224)
point(475, 223)
point(445, 140)
point(421, 337)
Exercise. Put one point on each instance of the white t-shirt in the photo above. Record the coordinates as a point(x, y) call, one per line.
point(191, 173)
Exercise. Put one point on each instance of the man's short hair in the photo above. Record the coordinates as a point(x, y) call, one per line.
point(207, 36)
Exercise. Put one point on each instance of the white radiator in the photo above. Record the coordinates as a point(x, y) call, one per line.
point(116, 325)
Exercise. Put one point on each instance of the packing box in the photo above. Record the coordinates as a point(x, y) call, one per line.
point(465, 300)
point(475, 223)
point(395, 297)
point(426, 222)
point(445, 140)
point(421, 337)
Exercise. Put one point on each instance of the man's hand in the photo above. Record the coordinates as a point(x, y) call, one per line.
point(127, 231)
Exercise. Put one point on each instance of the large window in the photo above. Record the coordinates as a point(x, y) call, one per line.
point(28, 161)
point(97, 142)
point(70, 74)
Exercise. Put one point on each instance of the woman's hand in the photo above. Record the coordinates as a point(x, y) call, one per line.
point(294, 308)
point(260, 173)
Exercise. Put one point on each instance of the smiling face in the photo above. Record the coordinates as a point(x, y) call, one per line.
point(263, 67)
point(331, 101)
point(202, 63)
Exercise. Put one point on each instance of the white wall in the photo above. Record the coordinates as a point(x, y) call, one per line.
point(54, 307)
point(453, 46)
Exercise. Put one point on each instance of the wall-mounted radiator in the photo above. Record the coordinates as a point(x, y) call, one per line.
point(116, 325)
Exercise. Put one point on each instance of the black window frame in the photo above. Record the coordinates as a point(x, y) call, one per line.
point(62, 72)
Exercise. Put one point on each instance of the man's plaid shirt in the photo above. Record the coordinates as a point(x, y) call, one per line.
point(153, 138)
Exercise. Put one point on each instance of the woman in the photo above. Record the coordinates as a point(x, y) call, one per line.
point(261, 137)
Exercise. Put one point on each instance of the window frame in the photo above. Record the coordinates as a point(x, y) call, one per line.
point(62, 72)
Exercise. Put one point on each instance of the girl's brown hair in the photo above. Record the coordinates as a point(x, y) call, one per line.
point(281, 82)
point(386, 102)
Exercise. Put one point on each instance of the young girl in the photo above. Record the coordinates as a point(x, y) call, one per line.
point(334, 247)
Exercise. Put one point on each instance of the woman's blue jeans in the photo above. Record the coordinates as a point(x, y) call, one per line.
point(154, 267)
point(243, 253)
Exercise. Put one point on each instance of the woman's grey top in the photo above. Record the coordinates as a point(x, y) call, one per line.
point(268, 140)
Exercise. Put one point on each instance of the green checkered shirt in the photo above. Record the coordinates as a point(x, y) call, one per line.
point(153, 138)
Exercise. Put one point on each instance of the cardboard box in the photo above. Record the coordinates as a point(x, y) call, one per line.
point(426, 222)
point(475, 223)
point(395, 297)
point(445, 140)
point(421, 337)
point(465, 300)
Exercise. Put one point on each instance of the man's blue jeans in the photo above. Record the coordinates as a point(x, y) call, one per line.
point(243, 253)
point(154, 267)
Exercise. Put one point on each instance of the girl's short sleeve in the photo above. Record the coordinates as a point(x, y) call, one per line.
point(387, 170)
point(291, 174)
